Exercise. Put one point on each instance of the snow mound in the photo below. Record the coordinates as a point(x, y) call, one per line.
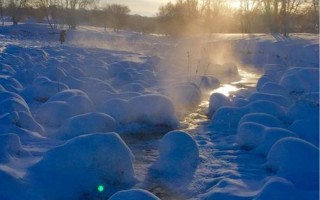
point(277, 188)
point(307, 130)
point(134, 194)
point(12, 104)
point(252, 135)
point(78, 101)
point(152, 110)
point(85, 124)
point(10, 147)
point(20, 119)
point(297, 161)
point(178, 159)
point(116, 108)
point(229, 117)
point(75, 169)
point(263, 80)
point(216, 101)
point(278, 99)
point(273, 88)
point(261, 118)
point(270, 137)
point(52, 114)
point(42, 89)
point(249, 135)
point(301, 80)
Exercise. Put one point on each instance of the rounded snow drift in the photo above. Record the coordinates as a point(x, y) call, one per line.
point(75, 169)
point(133, 194)
point(178, 159)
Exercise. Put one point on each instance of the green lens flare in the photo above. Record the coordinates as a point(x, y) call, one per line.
point(100, 188)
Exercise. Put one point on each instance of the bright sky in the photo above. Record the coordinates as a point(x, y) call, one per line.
point(141, 7)
point(149, 7)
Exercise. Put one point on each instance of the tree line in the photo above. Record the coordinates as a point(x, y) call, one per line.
point(182, 17)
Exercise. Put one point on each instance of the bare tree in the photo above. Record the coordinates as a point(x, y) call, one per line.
point(70, 7)
point(49, 8)
point(15, 9)
point(117, 15)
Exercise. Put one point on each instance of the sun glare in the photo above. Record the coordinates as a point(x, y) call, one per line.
point(235, 4)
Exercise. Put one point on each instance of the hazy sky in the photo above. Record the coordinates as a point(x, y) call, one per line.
point(141, 7)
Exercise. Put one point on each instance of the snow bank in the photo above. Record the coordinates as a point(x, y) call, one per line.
point(75, 169)
point(85, 124)
point(133, 194)
point(297, 161)
point(178, 159)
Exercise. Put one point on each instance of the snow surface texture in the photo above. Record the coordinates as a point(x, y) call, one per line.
point(262, 141)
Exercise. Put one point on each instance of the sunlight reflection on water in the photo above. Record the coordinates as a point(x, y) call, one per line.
point(248, 79)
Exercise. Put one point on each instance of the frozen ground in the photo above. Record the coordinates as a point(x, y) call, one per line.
point(247, 107)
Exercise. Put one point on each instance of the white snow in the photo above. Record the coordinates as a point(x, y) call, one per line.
point(58, 104)
point(133, 194)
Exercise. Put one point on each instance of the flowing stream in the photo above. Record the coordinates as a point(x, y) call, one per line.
point(195, 123)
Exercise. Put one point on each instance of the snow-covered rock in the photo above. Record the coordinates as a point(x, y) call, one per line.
point(297, 161)
point(85, 124)
point(273, 88)
point(178, 159)
point(261, 118)
point(278, 99)
point(216, 101)
point(307, 130)
point(300, 80)
point(116, 108)
point(42, 89)
point(134, 194)
point(52, 114)
point(152, 110)
point(75, 169)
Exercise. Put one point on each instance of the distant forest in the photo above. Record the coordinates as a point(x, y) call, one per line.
point(181, 17)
